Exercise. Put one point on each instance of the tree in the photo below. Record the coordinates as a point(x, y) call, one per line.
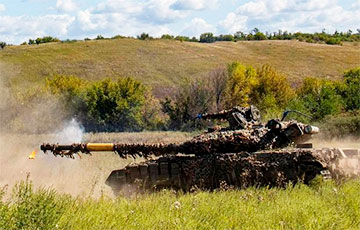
point(260, 36)
point(272, 91)
point(2, 45)
point(238, 36)
point(351, 93)
point(99, 37)
point(255, 30)
point(115, 105)
point(218, 80)
point(31, 42)
point(240, 82)
point(207, 38)
point(320, 97)
point(143, 36)
point(167, 36)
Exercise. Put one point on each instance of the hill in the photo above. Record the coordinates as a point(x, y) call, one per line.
point(165, 62)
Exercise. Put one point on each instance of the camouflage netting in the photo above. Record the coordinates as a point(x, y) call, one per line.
point(217, 142)
point(239, 170)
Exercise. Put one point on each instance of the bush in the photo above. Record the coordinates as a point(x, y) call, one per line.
point(207, 38)
point(167, 36)
point(260, 36)
point(226, 37)
point(117, 37)
point(2, 45)
point(99, 37)
point(42, 40)
point(70, 91)
point(144, 36)
point(351, 91)
point(107, 105)
point(343, 125)
point(333, 41)
point(115, 105)
point(320, 97)
point(240, 83)
point(29, 209)
point(192, 98)
point(272, 92)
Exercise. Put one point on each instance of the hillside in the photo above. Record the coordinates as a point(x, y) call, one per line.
point(164, 62)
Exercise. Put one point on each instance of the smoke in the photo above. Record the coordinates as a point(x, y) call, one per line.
point(72, 132)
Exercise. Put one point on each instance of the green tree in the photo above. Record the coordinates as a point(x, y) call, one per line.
point(259, 36)
point(167, 36)
point(207, 38)
point(143, 36)
point(99, 37)
point(320, 97)
point(2, 45)
point(240, 83)
point(115, 105)
point(272, 91)
point(351, 93)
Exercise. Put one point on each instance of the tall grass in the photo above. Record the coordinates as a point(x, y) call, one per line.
point(320, 206)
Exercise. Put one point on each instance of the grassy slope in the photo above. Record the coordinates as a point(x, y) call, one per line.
point(162, 62)
point(300, 207)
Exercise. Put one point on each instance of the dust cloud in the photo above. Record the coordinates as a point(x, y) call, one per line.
point(85, 176)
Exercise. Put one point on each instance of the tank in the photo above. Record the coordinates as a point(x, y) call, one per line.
point(247, 153)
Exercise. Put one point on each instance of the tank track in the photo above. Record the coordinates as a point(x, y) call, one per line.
point(209, 172)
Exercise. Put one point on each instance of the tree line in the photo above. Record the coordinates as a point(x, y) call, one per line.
point(336, 38)
point(125, 104)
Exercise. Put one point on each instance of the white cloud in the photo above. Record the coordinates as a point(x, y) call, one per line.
point(356, 5)
point(233, 23)
point(156, 17)
point(290, 15)
point(160, 11)
point(253, 8)
point(65, 5)
point(194, 4)
point(21, 28)
point(2, 7)
point(197, 27)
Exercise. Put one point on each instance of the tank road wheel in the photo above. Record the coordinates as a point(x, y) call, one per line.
point(155, 174)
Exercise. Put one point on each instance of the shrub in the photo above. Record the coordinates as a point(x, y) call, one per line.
point(333, 41)
point(69, 89)
point(240, 82)
point(117, 37)
point(207, 38)
point(42, 40)
point(167, 36)
point(41, 209)
point(99, 37)
point(259, 36)
point(272, 91)
point(115, 105)
point(192, 98)
point(351, 92)
point(182, 38)
point(2, 45)
point(320, 97)
point(342, 125)
point(144, 36)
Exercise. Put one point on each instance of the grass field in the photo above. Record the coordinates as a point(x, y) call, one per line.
point(165, 63)
point(321, 206)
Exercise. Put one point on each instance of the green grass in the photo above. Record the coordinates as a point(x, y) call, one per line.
point(321, 206)
point(166, 63)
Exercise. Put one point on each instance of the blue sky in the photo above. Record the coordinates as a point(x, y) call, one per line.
point(77, 19)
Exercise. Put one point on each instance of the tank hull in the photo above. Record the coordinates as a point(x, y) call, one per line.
point(236, 170)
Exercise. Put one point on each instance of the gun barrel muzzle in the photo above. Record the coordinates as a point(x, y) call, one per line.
point(309, 129)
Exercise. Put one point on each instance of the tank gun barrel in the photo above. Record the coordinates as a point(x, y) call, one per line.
point(124, 150)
